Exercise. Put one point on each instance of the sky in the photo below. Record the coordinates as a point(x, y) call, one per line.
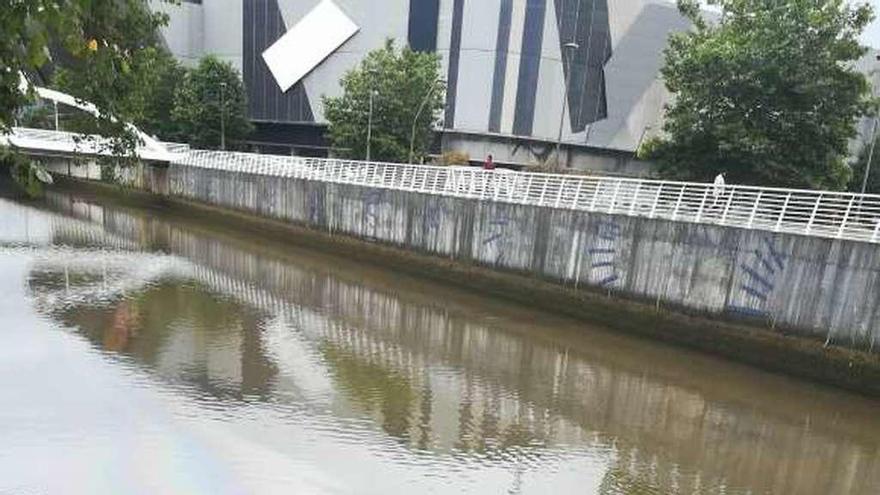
point(871, 36)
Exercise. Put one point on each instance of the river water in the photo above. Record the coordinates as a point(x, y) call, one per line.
point(143, 353)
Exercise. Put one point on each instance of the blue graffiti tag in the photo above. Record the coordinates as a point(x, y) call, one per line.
point(604, 253)
point(761, 277)
point(434, 214)
point(372, 199)
point(496, 234)
point(314, 206)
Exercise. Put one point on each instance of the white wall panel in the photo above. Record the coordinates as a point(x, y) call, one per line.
point(223, 30)
point(444, 34)
point(551, 82)
point(635, 91)
point(511, 78)
point(184, 34)
point(476, 66)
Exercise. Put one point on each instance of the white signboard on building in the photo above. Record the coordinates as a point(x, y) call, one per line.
point(323, 30)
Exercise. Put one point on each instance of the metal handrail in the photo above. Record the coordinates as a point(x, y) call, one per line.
point(64, 142)
point(829, 214)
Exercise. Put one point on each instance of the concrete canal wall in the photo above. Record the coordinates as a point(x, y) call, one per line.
point(819, 288)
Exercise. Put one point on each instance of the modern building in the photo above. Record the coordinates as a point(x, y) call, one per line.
point(502, 60)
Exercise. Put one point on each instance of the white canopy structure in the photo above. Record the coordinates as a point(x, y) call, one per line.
point(51, 141)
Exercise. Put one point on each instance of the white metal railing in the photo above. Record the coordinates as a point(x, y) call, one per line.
point(51, 141)
point(816, 213)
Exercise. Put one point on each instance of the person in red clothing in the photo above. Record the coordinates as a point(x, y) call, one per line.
point(489, 164)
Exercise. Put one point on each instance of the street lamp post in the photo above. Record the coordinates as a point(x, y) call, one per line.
point(412, 135)
point(223, 116)
point(873, 134)
point(870, 156)
point(370, 125)
point(372, 74)
point(568, 47)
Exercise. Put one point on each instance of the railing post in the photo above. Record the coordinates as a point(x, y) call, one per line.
point(595, 195)
point(424, 182)
point(528, 188)
point(678, 202)
point(754, 210)
point(511, 188)
point(702, 205)
point(439, 176)
point(543, 191)
point(782, 212)
point(730, 194)
point(614, 196)
point(577, 194)
point(813, 215)
point(559, 194)
point(635, 199)
point(412, 184)
point(876, 236)
point(846, 216)
point(656, 200)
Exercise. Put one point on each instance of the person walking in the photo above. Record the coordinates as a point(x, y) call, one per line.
point(718, 187)
point(489, 164)
point(717, 191)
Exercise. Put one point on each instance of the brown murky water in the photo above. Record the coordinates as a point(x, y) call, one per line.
point(140, 354)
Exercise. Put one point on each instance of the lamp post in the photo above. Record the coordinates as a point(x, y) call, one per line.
point(412, 135)
point(372, 74)
point(873, 135)
point(870, 156)
point(223, 116)
point(568, 47)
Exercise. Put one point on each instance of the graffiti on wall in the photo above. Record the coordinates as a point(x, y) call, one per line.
point(372, 198)
point(760, 276)
point(495, 236)
point(435, 212)
point(604, 253)
point(314, 206)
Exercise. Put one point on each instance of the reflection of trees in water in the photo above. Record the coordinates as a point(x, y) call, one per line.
point(183, 333)
point(373, 387)
point(435, 378)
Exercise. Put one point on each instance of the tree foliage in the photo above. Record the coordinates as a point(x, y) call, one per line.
point(767, 94)
point(157, 118)
point(197, 105)
point(403, 81)
point(106, 50)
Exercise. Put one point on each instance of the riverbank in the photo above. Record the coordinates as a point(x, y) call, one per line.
point(766, 348)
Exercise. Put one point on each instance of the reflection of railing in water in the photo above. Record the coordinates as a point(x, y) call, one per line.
point(499, 370)
point(828, 214)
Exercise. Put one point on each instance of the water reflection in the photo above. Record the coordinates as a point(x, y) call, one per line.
point(448, 380)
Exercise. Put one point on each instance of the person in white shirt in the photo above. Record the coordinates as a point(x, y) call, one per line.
point(718, 188)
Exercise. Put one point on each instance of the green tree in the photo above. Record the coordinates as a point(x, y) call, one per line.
point(407, 93)
point(768, 94)
point(198, 109)
point(158, 118)
point(104, 48)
